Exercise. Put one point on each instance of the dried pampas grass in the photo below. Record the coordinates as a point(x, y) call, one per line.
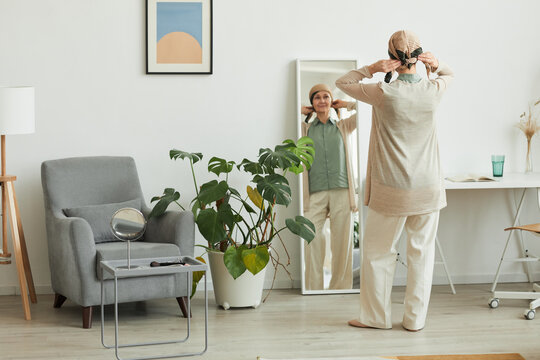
point(530, 127)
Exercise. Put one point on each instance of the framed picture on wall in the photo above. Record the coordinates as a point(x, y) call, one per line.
point(179, 36)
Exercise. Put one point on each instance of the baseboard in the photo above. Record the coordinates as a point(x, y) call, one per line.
point(297, 284)
point(441, 279)
point(47, 290)
point(14, 290)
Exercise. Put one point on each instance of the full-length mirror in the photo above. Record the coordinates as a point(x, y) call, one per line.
point(330, 190)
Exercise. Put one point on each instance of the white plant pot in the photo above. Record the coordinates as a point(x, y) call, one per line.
point(245, 291)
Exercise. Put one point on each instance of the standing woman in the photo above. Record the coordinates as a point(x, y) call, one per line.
point(329, 189)
point(404, 183)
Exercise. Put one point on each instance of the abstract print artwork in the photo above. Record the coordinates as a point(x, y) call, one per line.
point(178, 37)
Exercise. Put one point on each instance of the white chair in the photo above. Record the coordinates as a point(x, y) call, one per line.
point(526, 258)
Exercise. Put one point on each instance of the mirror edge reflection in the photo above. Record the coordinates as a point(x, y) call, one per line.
point(359, 183)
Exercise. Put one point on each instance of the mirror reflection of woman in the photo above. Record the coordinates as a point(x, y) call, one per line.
point(329, 189)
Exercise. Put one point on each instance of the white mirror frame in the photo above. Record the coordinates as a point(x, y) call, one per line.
point(358, 185)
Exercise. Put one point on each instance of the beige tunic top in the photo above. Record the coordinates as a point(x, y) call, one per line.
point(403, 173)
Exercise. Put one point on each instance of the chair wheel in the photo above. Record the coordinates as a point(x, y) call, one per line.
point(494, 303)
point(529, 314)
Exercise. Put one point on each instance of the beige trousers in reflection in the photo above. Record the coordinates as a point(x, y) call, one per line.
point(381, 236)
point(335, 205)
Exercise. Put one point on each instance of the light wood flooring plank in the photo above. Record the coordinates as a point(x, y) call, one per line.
point(288, 325)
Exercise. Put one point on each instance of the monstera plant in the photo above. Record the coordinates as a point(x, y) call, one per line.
point(243, 223)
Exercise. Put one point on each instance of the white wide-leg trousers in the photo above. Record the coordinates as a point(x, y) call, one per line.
point(381, 236)
point(335, 205)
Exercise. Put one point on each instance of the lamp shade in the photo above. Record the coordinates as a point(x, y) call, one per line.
point(17, 110)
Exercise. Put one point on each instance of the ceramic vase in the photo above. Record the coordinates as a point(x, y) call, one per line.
point(528, 160)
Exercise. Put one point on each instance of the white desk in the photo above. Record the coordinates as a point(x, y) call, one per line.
point(508, 181)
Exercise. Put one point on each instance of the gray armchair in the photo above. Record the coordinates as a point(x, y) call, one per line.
point(81, 194)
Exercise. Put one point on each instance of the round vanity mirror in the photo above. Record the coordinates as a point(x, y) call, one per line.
point(128, 224)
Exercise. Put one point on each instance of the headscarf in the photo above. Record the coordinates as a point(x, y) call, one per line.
point(404, 45)
point(314, 90)
point(319, 87)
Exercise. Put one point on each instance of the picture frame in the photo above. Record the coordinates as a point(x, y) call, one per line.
point(179, 37)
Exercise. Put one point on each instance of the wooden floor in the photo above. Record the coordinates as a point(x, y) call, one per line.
point(288, 326)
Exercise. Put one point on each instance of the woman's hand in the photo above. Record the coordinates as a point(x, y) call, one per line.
point(337, 104)
point(429, 59)
point(306, 110)
point(384, 66)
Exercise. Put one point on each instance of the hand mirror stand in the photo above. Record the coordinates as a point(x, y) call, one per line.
point(128, 224)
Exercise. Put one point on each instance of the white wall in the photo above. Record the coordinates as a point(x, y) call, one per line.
point(86, 60)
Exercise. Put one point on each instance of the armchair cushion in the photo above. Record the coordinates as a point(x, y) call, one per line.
point(139, 250)
point(99, 217)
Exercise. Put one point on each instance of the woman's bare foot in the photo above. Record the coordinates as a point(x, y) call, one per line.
point(357, 323)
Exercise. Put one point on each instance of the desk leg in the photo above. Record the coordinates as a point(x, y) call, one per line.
point(443, 261)
point(516, 220)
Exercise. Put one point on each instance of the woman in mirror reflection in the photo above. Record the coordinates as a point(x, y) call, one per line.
point(404, 183)
point(329, 188)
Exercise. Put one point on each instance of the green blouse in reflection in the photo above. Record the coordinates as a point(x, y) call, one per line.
point(329, 168)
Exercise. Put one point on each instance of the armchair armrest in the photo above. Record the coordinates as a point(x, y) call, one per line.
point(174, 227)
point(72, 256)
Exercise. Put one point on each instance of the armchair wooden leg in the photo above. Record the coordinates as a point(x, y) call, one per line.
point(87, 317)
point(182, 301)
point(58, 300)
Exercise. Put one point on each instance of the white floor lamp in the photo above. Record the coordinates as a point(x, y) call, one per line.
point(16, 117)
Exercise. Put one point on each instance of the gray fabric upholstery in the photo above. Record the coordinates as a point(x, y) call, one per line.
point(73, 253)
point(99, 217)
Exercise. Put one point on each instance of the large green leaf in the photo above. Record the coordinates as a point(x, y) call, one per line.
point(210, 226)
point(251, 167)
point(302, 227)
point(275, 187)
point(248, 207)
point(176, 154)
point(213, 191)
point(282, 157)
point(255, 259)
point(220, 166)
point(226, 215)
point(234, 191)
point(305, 151)
point(169, 195)
point(195, 208)
point(233, 261)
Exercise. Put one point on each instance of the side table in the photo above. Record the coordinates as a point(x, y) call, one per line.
point(141, 267)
